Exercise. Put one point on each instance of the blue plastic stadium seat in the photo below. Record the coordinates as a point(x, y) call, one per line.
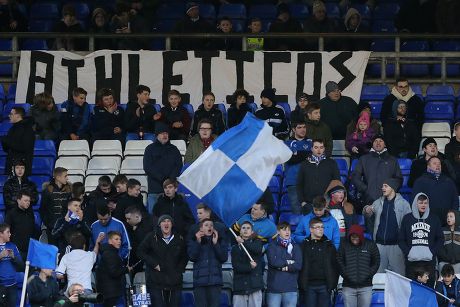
point(361, 220)
point(172, 10)
point(440, 92)
point(405, 165)
point(342, 165)
point(38, 219)
point(41, 25)
point(189, 108)
point(239, 25)
point(188, 299)
point(415, 70)
point(164, 25)
point(39, 180)
point(253, 107)
point(44, 148)
point(286, 107)
point(3, 179)
point(224, 299)
point(292, 219)
point(299, 11)
point(232, 10)
point(34, 44)
point(44, 10)
point(339, 300)
point(384, 45)
point(363, 9)
point(273, 217)
point(222, 108)
point(274, 185)
point(279, 171)
point(2, 204)
point(42, 166)
point(82, 11)
point(376, 108)
point(353, 165)
point(374, 92)
point(135, 136)
point(378, 299)
point(385, 11)
point(4, 127)
point(11, 95)
point(436, 111)
point(208, 11)
point(5, 69)
point(451, 69)
point(266, 11)
point(333, 10)
point(285, 204)
point(2, 215)
point(383, 26)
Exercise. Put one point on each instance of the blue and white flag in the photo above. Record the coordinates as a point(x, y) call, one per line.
point(403, 292)
point(231, 175)
point(42, 255)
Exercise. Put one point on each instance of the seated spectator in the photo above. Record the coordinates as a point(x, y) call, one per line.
point(255, 27)
point(10, 263)
point(110, 272)
point(165, 255)
point(248, 280)
point(210, 111)
point(415, 105)
point(448, 286)
point(263, 226)
point(77, 265)
point(364, 107)
point(75, 115)
point(331, 227)
point(300, 112)
point(284, 23)
point(12, 19)
point(68, 24)
point(208, 252)
point(273, 114)
point(55, 195)
point(238, 108)
point(319, 22)
point(120, 182)
point(317, 129)
point(359, 142)
point(200, 142)
point(43, 289)
point(284, 257)
point(176, 117)
point(353, 23)
point(16, 183)
point(225, 26)
point(388, 212)
point(70, 225)
point(402, 134)
point(45, 114)
point(337, 110)
point(107, 120)
point(418, 167)
point(132, 198)
point(99, 197)
point(358, 261)
point(21, 129)
point(450, 252)
point(124, 22)
point(192, 23)
point(301, 148)
point(315, 174)
point(100, 25)
point(141, 115)
point(339, 207)
point(22, 223)
point(417, 16)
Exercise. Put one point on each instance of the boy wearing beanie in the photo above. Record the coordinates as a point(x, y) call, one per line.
point(273, 114)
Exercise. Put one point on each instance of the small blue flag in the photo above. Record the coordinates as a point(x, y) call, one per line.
point(42, 255)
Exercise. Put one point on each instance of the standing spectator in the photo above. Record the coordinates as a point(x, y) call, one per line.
point(110, 272)
point(358, 261)
point(18, 182)
point(388, 211)
point(301, 148)
point(192, 23)
point(331, 227)
point(45, 114)
point(204, 212)
point(22, 223)
point(75, 116)
point(415, 106)
point(255, 27)
point(164, 253)
point(20, 130)
point(162, 160)
point(300, 112)
point(107, 120)
point(99, 198)
point(225, 26)
point(319, 22)
point(126, 22)
point(420, 237)
point(55, 195)
point(402, 133)
point(439, 188)
point(209, 110)
point(200, 142)
point(141, 115)
point(284, 264)
point(450, 252)
point(418, 167)
point(452, 150)
point(319, 275)
point(282, 24)
point(314, 175)
point(359, 142)
point(273, 114)
point(207, 251)
point(10, 263)
point(317, 129)
point(176, 117)
point(100, 25)
point(337, 110)
point(238, 107)
point(42, 289)
point(12, 19)
point(339, 207)
point(373, 169)
point(132, 198)
point(353, 24)
point(247, 275)
point(120, 182)
point(173, 204)
point(262, 225)
point(68, 24)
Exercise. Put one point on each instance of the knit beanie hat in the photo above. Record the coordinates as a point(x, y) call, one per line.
point(335, 189)
point(269, 93)
point(393, 183)
point(160, 128)
point(378, 136)
point(429, 141)
point(363, 118)
point(164, 217)
point(331, 86)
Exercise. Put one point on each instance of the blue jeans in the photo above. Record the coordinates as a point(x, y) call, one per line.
point(208, 296)
point(292, 195)
point(286, 299)
point(317, 296)
point(357, 297)
point(152, 199)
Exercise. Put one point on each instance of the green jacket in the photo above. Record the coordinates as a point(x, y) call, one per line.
point(195, 148)
point(319, 130)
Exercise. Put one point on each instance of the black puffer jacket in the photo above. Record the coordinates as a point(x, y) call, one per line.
point(247, 280)
point(110, 274)
point(11, 188)
point(358, 263)
point(54, 203)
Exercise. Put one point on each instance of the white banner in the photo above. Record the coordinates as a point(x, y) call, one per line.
point(191, 73)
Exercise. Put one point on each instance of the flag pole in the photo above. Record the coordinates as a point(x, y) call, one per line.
point(241, 244)
point(24, 284)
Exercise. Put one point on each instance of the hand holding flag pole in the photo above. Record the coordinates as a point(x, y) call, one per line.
point(241, 244)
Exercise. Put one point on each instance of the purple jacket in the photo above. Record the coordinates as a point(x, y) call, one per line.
point(363, 144)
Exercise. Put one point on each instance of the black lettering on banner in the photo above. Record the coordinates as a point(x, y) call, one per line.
point(239, 57)
point(302, 59)
point(114, 82)
point(338, 63)
point(269, 59)
point(206, 57)
point(47, 80)
point(133, 64)
point(169, 58)
point(72, 66)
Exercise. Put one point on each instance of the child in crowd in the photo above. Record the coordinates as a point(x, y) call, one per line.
point(300, 112)
point(209, 110)
point(359, 141)
point(255, 43)
point(422, 275)
point(225, 26)
point(75, 116)
point(42, 289)
point(449, 286)
point(176, 117)
point(450, 252)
